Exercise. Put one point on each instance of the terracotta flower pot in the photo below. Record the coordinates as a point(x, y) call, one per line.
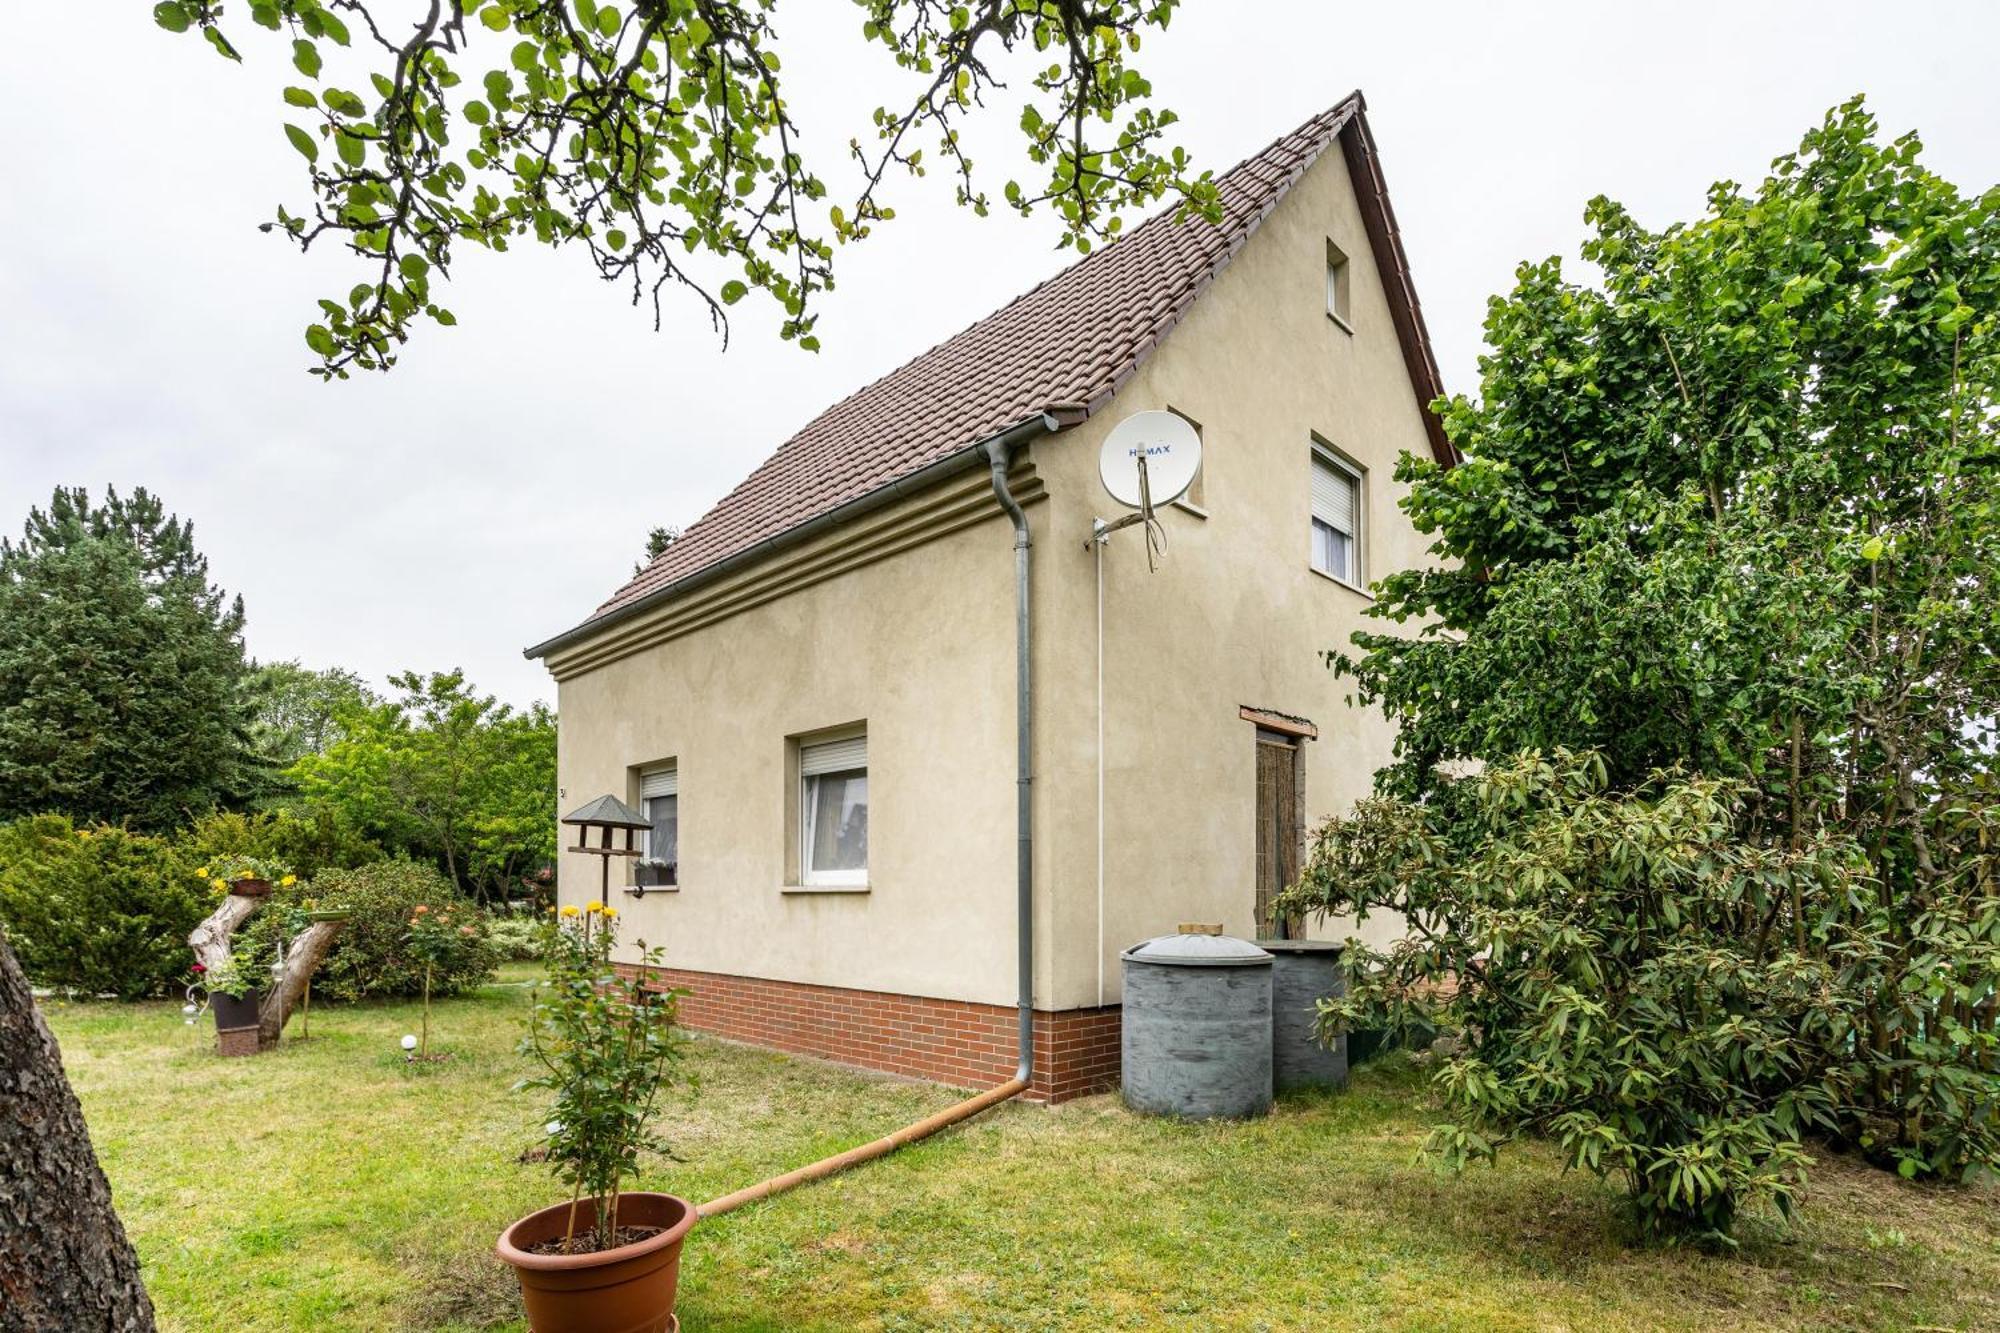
point(626, 1290)
point(251, 888)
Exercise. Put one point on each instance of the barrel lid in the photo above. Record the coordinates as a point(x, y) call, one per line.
point(1301, 946)
point(1198, 951)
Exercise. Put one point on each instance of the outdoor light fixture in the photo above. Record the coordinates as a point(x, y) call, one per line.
point(409, 1041)
point(606, 814)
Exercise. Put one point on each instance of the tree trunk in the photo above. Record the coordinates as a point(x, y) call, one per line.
point(210, 939)
point(211, 943)
point(303, 958)
point(65, 1264)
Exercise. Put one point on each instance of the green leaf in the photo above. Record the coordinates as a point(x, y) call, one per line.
point(496, 17)
point(302, 97)
point(320, 339)
point(733, 291)
point(303, 142)
point(171, 15)
point(221, 44)
point(1871, 549)
point(306, 56)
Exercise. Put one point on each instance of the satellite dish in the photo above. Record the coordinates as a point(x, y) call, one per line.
point(1149, 459)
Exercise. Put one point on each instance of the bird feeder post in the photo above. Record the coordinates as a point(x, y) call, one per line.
point(606, 814)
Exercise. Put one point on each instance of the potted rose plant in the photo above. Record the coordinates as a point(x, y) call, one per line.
point(608, 1045)
point(235, 993)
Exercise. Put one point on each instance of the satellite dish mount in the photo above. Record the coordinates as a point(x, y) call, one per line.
point(1149, 459)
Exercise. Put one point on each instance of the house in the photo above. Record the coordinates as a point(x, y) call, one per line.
point(814, 694)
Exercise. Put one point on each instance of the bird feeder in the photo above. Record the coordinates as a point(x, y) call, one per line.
point(605, 817)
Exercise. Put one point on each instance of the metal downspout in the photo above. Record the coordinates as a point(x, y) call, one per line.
point(999, 452)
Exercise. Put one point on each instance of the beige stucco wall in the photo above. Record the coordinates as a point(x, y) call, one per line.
point(920, 645)
point(1236, 614)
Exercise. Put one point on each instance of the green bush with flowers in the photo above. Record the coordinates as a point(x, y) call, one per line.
point(608, 1046)
point(95, 908)
point(372, 955)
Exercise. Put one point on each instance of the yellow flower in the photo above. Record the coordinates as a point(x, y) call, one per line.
point(202, 873)
point(288, 881)
point(217, 885)
point(594, 908)
point(610, 912)
point(570, 910)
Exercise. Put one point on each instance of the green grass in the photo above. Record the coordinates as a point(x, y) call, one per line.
point(330, 1185)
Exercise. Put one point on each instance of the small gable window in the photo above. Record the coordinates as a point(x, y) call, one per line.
point(1337, 307)
point(1336, 518)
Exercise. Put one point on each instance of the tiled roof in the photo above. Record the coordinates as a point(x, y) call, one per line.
point(1064, 348)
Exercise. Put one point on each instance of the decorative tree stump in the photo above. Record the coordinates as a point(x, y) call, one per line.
point(211, 943)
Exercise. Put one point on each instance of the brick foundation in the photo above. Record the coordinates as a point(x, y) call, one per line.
point(947, 1041)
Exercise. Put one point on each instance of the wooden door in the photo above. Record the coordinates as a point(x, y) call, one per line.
point(1277, 827)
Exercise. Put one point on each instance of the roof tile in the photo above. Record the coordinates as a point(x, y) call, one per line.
point(1067, 344)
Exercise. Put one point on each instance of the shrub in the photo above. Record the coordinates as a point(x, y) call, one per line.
point(306, 841)
point(515, 939)
point(97, 909)
point(1637, 977)
point(371, 956)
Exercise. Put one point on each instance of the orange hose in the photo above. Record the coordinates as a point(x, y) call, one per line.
point(867, 1152)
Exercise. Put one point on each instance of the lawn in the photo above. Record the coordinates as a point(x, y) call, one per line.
point(331, 1185)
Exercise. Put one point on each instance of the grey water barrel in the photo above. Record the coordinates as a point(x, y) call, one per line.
point(1304, 972)
point(1197, 1027)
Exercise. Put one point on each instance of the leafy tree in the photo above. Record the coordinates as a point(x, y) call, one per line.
point(656, 137)
point(299, 710)
point(445, 773)
point(1735, 512)
point(658, 542)
point(121, 668)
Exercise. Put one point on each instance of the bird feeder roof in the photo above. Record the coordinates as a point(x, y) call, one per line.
point(608, 811)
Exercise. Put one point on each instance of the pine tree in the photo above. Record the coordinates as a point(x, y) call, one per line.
point(122, 674)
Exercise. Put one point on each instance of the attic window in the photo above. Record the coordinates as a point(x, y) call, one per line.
point(1337, 287)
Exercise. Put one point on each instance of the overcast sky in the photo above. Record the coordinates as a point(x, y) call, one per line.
point(500, 481)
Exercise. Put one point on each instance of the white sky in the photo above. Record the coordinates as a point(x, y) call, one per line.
point(500, 481)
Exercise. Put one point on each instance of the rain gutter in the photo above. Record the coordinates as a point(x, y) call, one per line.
point(952, 464)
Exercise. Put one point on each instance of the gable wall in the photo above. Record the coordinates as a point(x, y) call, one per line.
point(1234, 616)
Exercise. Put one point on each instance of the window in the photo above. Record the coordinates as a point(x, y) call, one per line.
point(659, 795)
point(1336, 518)
point(833, 811)
point(1336, 287)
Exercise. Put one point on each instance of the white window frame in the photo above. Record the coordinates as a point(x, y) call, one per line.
point(812, 767)
point(1339, 287)
point(1357, 575)
point(654, 784)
